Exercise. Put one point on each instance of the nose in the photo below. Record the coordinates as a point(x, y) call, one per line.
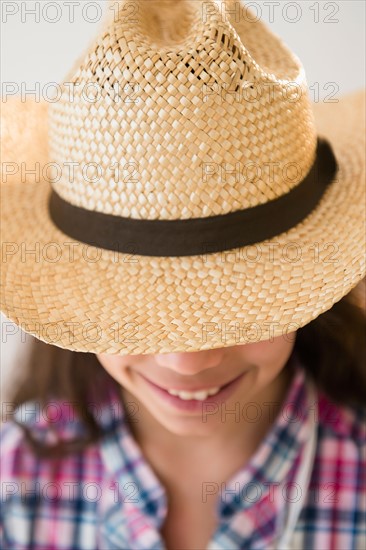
point(190, 362)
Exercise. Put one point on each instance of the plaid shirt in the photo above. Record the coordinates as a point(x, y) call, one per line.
point(108, 497)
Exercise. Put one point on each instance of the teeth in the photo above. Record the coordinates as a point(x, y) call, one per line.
point(198, 395)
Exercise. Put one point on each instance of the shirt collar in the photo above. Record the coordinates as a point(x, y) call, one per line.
point(276, 457)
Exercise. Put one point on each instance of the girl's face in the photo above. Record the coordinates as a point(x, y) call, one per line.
point(255, 366)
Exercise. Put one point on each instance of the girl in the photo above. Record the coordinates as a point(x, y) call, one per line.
point(181, 392)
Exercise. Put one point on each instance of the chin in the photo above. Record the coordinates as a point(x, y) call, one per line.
point(190, 426)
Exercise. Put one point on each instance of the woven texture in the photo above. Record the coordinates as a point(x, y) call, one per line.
point(82, 298)
point(178, 119)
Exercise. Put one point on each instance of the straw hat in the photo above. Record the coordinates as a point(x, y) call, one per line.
point(188, 194)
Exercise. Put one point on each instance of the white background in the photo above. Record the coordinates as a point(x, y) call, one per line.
point(328, 37)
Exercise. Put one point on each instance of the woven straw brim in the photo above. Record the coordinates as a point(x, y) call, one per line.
point(86, 299)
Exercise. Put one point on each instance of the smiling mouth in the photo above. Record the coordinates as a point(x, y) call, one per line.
point(196, 389)
point(192, 402)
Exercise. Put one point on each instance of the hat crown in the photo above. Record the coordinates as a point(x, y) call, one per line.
point(201, 113)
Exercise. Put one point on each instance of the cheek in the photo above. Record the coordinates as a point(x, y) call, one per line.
point(269, 354)
point(115, 365)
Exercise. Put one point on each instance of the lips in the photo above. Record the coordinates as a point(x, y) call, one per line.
point(187, 389)
point(193, 406)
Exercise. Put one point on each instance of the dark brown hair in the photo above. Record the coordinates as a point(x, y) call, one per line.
point(331, 348)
